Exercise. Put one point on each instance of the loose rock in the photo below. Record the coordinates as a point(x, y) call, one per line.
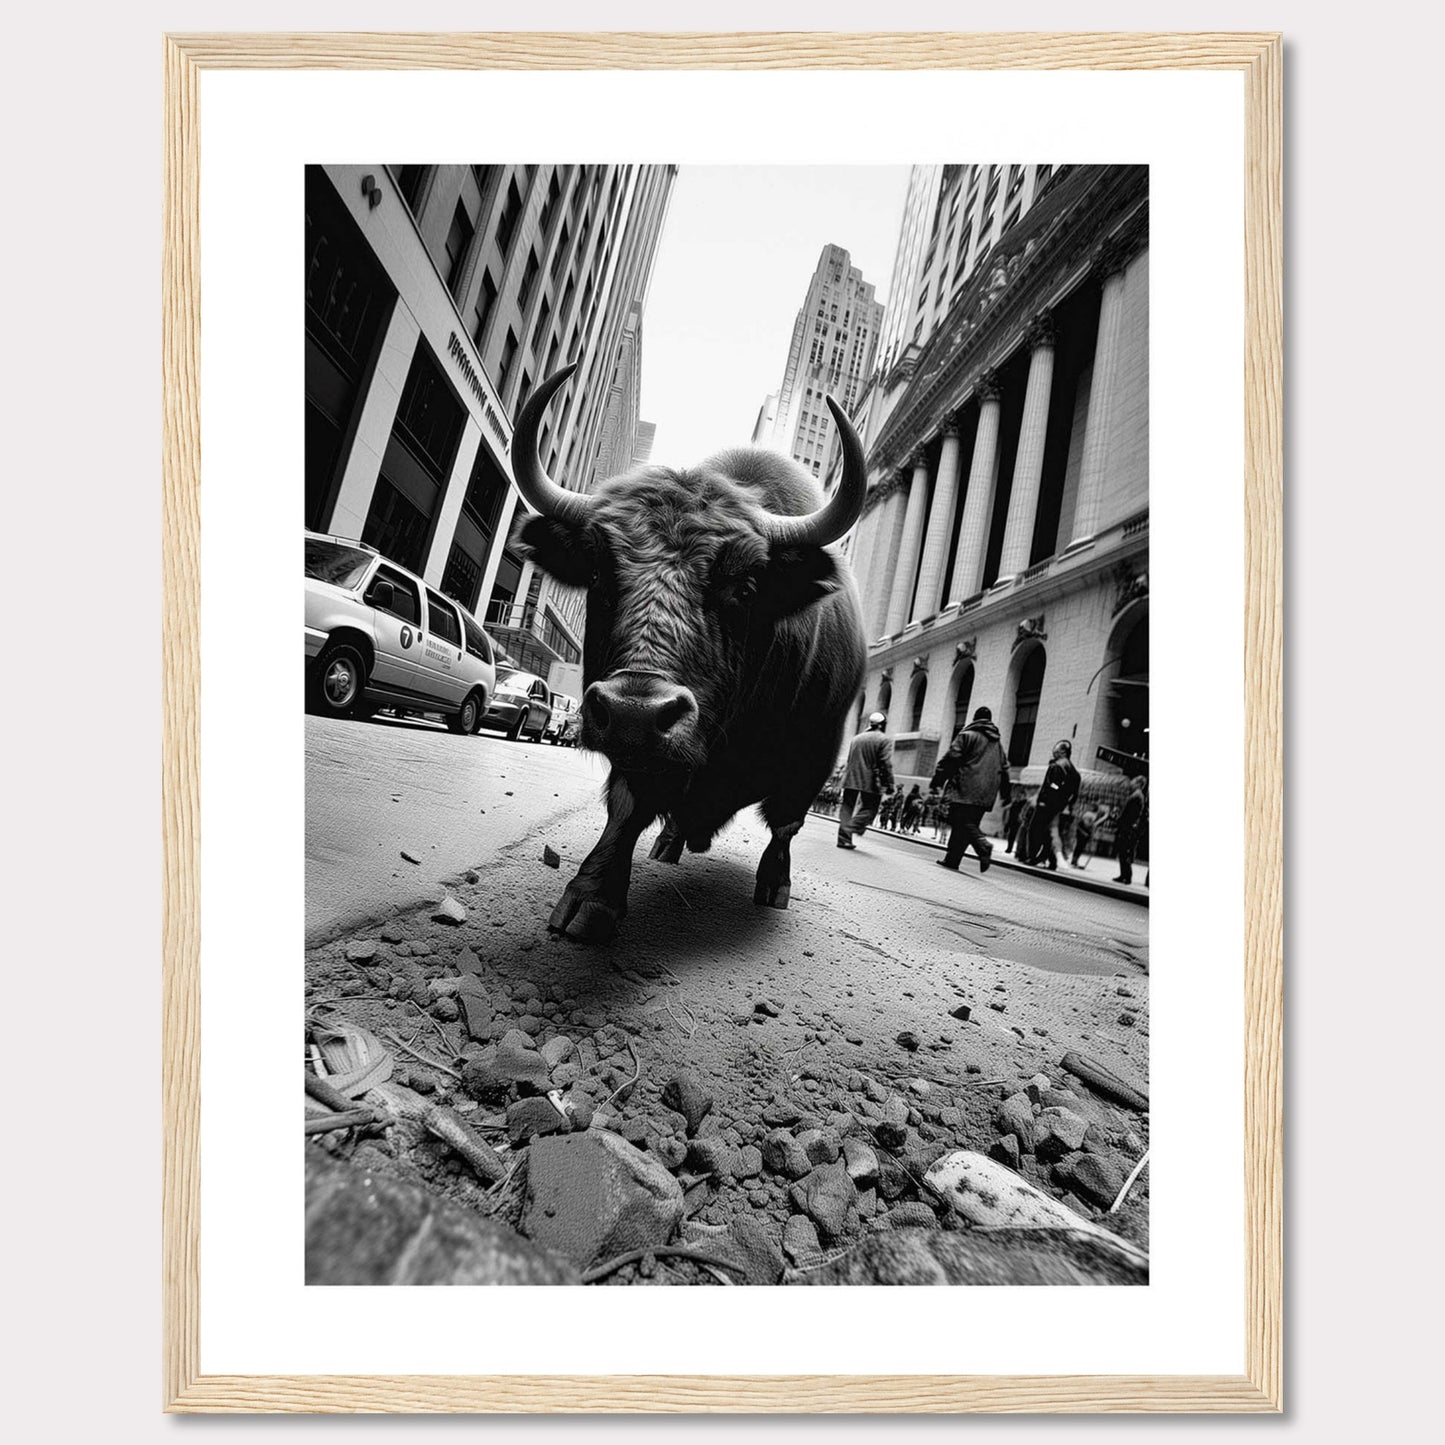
point(686, 1093)
point(593, 1196)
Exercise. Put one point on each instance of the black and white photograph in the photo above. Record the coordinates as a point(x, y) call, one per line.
point(727, 724)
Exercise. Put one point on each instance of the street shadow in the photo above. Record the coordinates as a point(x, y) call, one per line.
point(684, 921)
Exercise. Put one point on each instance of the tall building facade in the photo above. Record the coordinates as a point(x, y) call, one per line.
point(436, 298)
point(1002, 556)
point(834, 341)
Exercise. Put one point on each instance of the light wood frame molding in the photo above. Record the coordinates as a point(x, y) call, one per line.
point(1258, 1386)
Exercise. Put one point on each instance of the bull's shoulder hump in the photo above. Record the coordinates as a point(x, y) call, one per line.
point(775, 482)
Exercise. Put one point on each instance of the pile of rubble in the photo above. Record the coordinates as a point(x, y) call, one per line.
point(529, 1138)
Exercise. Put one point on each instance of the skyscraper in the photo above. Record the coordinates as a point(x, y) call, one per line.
point(834, 341)
point(436, 298)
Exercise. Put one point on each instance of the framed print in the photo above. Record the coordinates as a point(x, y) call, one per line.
point(708, 848)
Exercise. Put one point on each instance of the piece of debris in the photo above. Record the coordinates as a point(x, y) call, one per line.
point(592, 1196)
point(990, 1196)
point(963, 1012)
point(908, 1040)
point(1104, 1081)
point(407, 856)
point(550, 856)
point(449, 911)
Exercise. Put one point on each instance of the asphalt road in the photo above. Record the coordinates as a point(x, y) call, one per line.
point(376, 790)
point(380, 790)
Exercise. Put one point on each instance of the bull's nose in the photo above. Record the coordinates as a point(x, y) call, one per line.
point(638, 713)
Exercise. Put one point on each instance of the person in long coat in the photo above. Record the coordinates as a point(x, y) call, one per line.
point(867, 775)
point(973, 773)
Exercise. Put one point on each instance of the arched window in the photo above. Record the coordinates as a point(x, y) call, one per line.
point(962, 695)
point(915, 705)
point(1122, 718)
point(1026, 707)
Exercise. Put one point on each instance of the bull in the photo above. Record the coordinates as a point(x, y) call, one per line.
point(724, 648)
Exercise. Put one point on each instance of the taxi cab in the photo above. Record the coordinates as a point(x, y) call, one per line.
point(377, 636)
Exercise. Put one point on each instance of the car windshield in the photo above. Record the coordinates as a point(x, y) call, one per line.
point(331, 562)
point(514, 682)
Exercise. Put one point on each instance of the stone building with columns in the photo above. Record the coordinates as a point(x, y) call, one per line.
point(1003, 554)
point(436, 297)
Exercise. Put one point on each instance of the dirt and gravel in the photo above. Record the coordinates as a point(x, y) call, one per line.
point(778, 1084)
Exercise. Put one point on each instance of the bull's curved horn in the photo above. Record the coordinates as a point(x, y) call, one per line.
point(538, 490)
point(819, 528)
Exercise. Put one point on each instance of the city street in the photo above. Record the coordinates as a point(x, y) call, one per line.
point(847, 995)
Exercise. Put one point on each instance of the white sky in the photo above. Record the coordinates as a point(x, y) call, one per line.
point(737, 252)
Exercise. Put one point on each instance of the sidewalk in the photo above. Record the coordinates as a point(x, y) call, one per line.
point(1096, 877)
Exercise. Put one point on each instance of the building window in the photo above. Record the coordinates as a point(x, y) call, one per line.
point(486, 300)
point(509, 355)
point(1026, 708)
point(459, 238)
point(395, 526)
point(560, 254)
point(549, 207)
point(552, 351)
point(1015, 181)
point(567, 296)
point(529, 279)
point(429, 416)
point(461, 581)
point(544, 315)
point(511, 213)
point(525, 390)
point(411, 182)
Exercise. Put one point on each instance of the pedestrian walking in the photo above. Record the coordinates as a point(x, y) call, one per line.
point(1131, 820)
point(867, 774)
point(972, 773)
point(1084, 827)
point(912, 809)
point(1056, 794)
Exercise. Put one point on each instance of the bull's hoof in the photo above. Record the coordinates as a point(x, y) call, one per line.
point(772, 895)
point(667, 848)
point(593, 923)
point(586, 919)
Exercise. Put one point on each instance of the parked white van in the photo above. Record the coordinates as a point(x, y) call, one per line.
point(378, 636)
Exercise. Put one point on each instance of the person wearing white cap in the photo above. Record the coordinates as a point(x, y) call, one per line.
point(868, 775)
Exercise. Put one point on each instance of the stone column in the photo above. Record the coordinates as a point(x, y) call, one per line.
point(882, 559)
point(1023, 503)
point(1103, 397)
point(908, 547)
point(940, 526)
point(973, 529)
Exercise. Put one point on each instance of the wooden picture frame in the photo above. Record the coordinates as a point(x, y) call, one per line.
point(1257, 1385)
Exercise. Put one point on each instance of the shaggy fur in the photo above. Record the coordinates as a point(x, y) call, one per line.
point(683, 584)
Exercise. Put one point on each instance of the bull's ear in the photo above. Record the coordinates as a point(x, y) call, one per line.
point(558, 548)
point(795, 578)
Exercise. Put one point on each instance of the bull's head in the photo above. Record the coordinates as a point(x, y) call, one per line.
point(688, 578)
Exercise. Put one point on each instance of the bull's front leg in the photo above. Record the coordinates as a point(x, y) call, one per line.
point(774, 886)
point(595, 901)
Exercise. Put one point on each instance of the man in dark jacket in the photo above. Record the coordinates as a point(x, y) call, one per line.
point(1131, 820)
point(1056, 794)
point(867, 776)
point(972, 773)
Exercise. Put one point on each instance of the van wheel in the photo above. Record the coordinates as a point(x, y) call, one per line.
point(340, 677)
point(466, 720)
